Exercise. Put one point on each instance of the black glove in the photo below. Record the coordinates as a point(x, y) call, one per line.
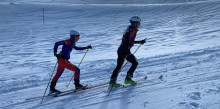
point(57, 55)
point(142, 41)
point(89, 47)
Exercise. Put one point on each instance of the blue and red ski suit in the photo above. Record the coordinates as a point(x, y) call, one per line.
point(63, 61)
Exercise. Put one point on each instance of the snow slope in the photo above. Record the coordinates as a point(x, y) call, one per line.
point(183, 44)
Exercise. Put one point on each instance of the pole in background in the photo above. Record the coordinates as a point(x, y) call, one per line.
point(43, 15)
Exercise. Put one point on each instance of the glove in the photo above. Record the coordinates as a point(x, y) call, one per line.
point(142, 41)
point(89, 47)
point(57, 55)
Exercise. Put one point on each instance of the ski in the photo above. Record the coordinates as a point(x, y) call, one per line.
point(72, 91)
point(142, 80)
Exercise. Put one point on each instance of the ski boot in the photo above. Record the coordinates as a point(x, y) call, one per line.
point(113, 83)
point(52, 88)
point(78, 86)
point(128, 80)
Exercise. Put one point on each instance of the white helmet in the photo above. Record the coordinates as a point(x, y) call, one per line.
point(74, 32)
point(135, 19)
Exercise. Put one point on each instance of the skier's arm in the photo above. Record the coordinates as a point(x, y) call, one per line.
point(56, 46)
point(79, 48)
point(82, 48)
point(140, 42)
point(132, 35)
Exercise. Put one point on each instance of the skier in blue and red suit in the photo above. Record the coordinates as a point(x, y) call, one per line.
point(63, 59)
point(128, 40)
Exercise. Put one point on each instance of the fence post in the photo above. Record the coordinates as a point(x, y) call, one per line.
point(43, 15)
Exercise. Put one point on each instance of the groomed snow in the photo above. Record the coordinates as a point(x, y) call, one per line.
point(183, 45)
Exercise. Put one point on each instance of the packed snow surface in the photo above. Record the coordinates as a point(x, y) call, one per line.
point(183, 45)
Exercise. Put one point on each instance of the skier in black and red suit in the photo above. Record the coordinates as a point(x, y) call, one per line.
point(128, 40)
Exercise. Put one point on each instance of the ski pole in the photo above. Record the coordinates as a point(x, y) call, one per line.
point(48, 83)
point(78, 66)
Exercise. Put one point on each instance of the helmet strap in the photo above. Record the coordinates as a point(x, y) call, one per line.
point(134, 24)
point(73, 40)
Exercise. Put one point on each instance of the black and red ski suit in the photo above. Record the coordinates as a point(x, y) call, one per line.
point(128, 40)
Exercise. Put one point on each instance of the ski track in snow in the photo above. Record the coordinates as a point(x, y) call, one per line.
point(190, 75)
point(183, 45)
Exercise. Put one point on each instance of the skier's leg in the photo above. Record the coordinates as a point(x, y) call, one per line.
point(74, 68)
point(60, 70)
point(118, 67)
point(120, 61)
point(121, 55)
point(132, 59)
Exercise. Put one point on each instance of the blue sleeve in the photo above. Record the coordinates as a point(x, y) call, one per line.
point(79, 48)
point(57, 44)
